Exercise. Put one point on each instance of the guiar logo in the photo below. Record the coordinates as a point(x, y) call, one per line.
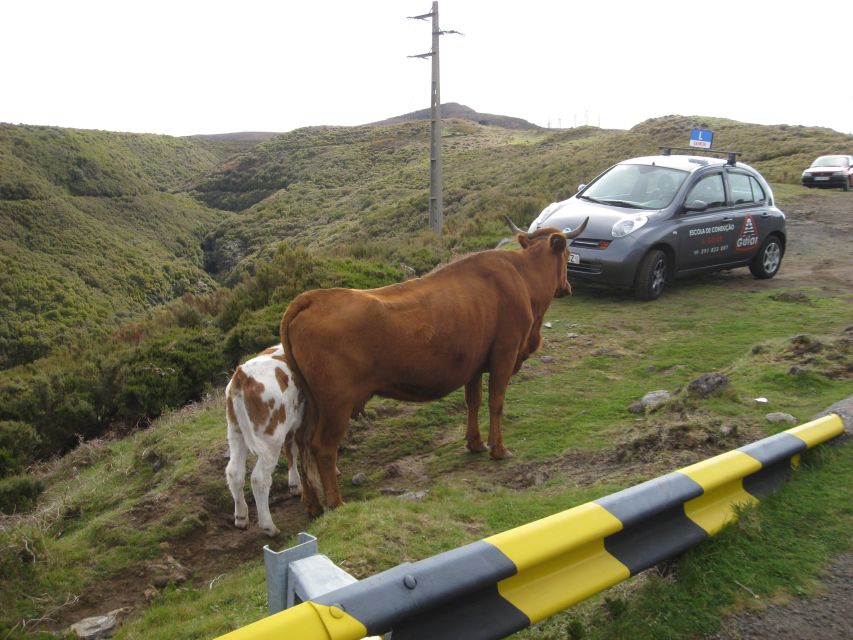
point(748, 237)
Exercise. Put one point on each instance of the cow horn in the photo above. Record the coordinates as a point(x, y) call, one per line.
point(512, 225)
point(578, 231)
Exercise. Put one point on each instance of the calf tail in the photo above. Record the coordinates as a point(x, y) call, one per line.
point(312, 490)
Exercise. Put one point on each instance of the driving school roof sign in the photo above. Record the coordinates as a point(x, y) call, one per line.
point(701, 138)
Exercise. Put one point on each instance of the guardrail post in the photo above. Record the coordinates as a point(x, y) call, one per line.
point(276, 565)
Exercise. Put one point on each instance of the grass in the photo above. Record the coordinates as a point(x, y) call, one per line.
point(113, 506)
point(566, 420)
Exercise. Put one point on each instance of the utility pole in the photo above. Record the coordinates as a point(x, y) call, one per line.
point(436, 215)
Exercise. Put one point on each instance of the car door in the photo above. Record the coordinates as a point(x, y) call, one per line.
point(749, 212)
point(704, 235)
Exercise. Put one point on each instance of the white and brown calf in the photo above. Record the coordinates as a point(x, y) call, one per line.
point(263, 408)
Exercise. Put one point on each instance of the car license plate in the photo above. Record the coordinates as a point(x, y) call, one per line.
point(574, 258)
point(821, 177)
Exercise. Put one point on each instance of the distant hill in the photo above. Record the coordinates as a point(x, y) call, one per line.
point(225, 145)
point(99, 226)
point(455, 110)
point(342, 187)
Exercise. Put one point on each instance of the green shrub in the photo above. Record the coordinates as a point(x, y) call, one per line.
point(18, 442)
point(19, 493)
point(167, 370)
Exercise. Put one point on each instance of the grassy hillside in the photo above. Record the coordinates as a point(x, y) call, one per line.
point(93, 232)
point(96, 229)
point(89, 547)
point(357, 189)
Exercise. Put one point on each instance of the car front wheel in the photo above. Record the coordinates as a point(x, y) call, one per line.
point(766, 263)
point(651, 276)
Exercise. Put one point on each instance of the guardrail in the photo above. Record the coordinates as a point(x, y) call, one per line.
point(506, 582)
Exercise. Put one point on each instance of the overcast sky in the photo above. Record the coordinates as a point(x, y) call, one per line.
point(183, 67)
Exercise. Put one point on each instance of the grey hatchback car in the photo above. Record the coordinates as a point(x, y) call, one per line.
point(657, 217)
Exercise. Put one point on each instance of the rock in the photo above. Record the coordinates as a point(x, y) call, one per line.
point(727, 430)
point(160, 581)
point(150, 593)
point(97, 627)
point(414, 496)
point(778, 416)
point(572, 335)
point(393, 471)
point(797, 370)
point(391, 491)
point(649, 402)
point(547, 359)
point(547, 325)
point(762, 400)
point(708, 383)
point(169, 571)
point(359, 479)
point(607, 351)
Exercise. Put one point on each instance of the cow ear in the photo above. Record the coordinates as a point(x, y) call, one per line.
point(558, 242)
point(523, 240)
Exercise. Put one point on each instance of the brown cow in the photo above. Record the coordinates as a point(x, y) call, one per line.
point(419, 340)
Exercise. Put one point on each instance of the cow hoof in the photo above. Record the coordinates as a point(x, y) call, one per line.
point(241, 523)
point(500, 454)
point(477, 448)
point(271, 531)
point(314, 511)
point(295, 490)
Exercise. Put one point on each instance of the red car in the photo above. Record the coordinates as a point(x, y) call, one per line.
point(830, 171)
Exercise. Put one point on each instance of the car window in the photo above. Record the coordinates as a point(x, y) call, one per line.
point(829, 161)
point(757, 190)
point(638, 186)
point(709, 190)
point(745, 189)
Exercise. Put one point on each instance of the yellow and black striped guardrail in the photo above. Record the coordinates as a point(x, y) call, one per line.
point(506, 582)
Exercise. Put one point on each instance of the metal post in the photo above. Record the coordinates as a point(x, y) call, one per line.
point(436, 215)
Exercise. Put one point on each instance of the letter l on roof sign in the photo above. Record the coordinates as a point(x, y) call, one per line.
point(701, 138)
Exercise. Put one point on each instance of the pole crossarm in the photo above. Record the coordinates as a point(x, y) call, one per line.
point(496, 586)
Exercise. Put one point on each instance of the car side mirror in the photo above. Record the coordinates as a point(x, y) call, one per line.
point(696, 205)
point(580, 187)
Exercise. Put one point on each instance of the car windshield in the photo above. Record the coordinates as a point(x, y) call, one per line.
point(830, 161)
point(636, 186)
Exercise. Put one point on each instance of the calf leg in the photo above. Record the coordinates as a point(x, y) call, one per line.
point(235, 474)
point(261, 483)
point(473, 399)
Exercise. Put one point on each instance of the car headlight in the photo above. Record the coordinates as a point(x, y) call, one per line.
point(628, 225)
point(838, 173)
point(807, 173)
point(546, 213)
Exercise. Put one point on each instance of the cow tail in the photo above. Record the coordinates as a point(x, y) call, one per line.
point(308, 466)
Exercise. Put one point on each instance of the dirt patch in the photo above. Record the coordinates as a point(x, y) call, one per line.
point(642, 453)
point(826, 616)
point(818, 247)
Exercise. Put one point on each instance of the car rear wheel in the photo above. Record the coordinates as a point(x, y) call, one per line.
point(766, 263)
point(651, 276)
